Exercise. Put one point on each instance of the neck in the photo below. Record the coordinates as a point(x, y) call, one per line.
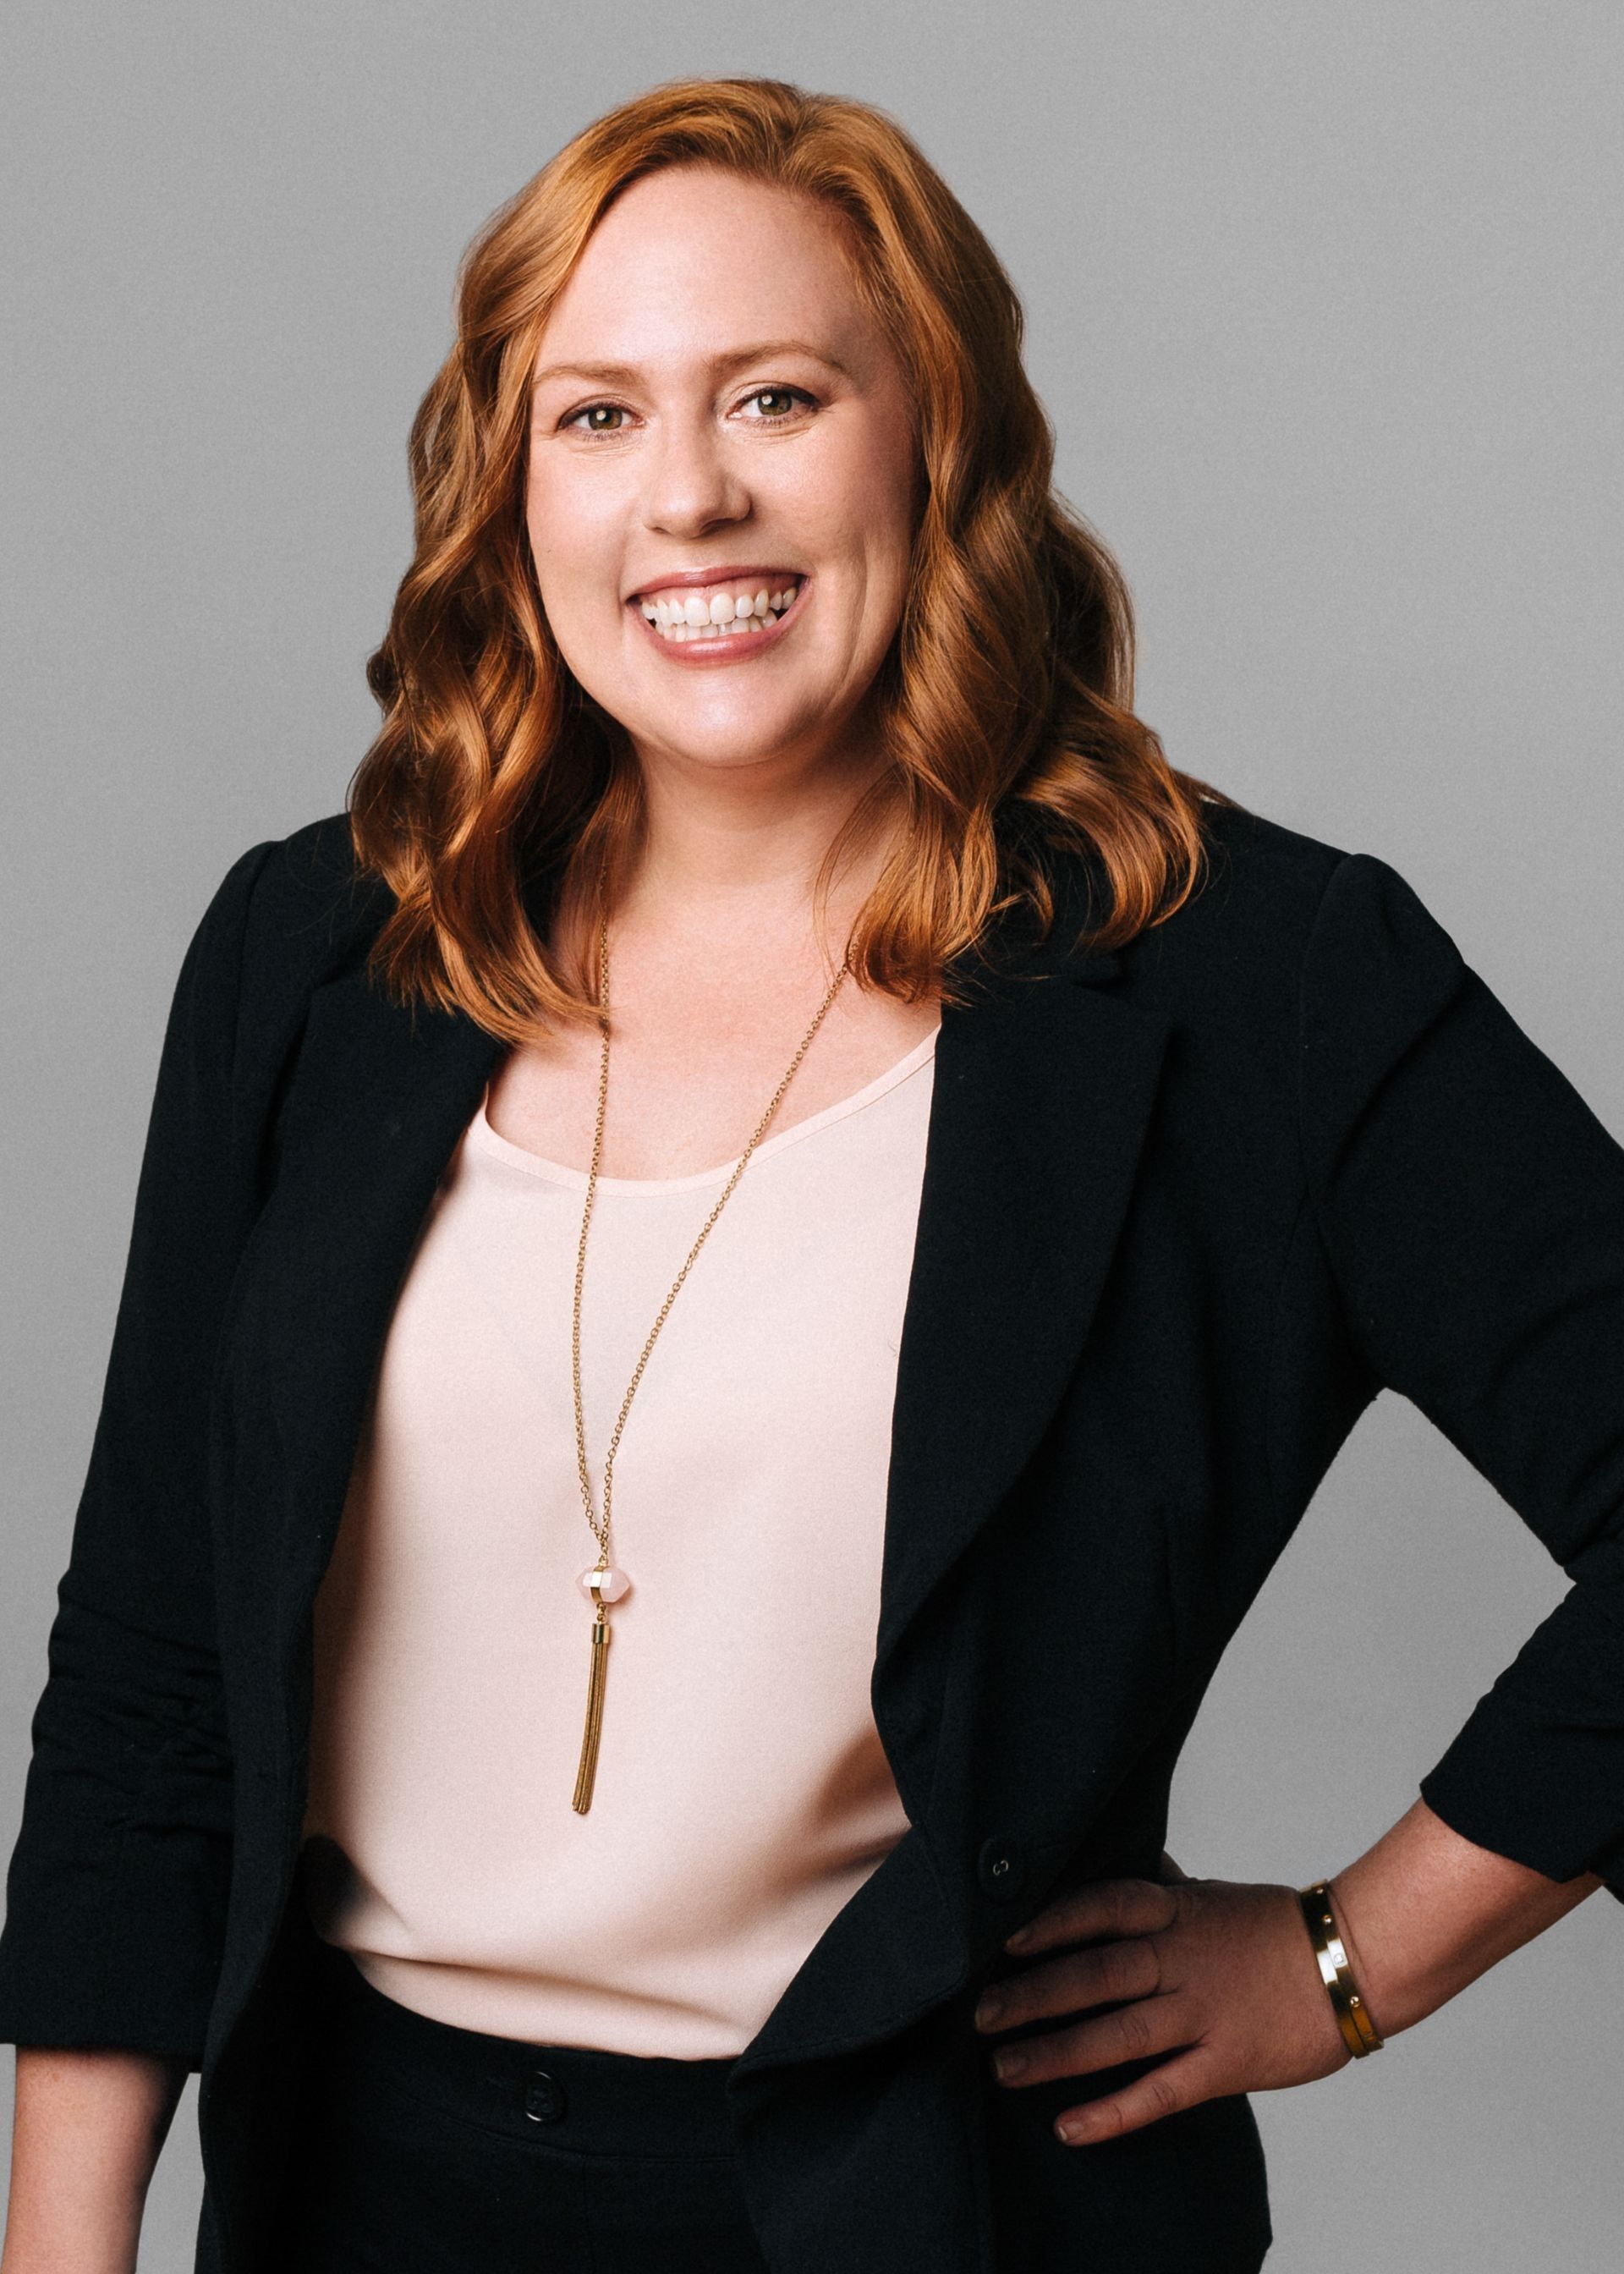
point(730, 860)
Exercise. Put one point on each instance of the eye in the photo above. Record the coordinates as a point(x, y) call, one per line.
point(781, 404)
point(788, 396)
point(593, 412)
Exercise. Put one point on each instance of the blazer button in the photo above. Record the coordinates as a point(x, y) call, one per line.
point(544, 2098)
point(1001, 1867)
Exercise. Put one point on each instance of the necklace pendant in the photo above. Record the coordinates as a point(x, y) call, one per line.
point(605, 1584)
point(586, 1774)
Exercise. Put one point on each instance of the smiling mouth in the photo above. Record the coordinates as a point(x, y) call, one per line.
point(724, 612)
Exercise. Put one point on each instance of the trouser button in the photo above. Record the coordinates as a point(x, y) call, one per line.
point(544, 2098)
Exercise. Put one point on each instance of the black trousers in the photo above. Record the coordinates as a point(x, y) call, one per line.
point(430, 2149)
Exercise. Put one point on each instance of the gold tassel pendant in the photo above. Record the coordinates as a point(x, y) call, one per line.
point(588, 1770)
point(601, 1585)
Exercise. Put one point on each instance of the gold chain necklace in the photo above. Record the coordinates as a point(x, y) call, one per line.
point(605, 1583)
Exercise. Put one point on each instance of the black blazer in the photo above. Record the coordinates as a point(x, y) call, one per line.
point(1186, 1209)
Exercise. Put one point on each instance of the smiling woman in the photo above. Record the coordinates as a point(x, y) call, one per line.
point(808, 442)
point(656, 1913)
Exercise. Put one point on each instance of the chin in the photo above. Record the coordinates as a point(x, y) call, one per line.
point(729, 734)
point(742, 745)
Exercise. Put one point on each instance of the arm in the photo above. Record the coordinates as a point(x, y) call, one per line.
point(1469, 1209)
point(115, 1894)
point(85, 2140)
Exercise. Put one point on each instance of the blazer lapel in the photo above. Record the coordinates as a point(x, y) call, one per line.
point(1041, 1099)
point(388, 1096)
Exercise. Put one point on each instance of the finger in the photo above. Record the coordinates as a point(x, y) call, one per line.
point(1170, 1870)
point(1099, 1907)
point(1136, 2032)
point(1174, 2085)
point(1105, 1974)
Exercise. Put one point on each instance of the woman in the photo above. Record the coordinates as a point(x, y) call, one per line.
point(1020, 1166)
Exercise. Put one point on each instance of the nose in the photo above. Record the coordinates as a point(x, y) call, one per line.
point(693, 486)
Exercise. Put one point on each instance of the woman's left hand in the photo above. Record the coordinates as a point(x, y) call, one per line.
point(1218, 1974)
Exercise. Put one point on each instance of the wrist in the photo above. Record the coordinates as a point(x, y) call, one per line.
point(1378, 2006)
point(1354, 2019)
point(1394, 2001)
point(1424, 1911)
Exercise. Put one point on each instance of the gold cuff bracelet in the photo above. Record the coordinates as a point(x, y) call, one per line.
point(1358, 2029)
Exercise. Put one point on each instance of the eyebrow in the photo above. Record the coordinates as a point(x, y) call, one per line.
point(625, 374)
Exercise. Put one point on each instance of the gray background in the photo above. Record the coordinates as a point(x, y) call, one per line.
point(1325, 303)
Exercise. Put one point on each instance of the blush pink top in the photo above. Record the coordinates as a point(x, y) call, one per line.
point(743, 1795)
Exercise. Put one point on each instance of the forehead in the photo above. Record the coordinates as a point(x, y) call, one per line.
point(691, 260)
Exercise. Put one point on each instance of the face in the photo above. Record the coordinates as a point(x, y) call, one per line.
point(722, 478)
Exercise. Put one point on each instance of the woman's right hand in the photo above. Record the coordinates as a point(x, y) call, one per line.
point(86, 2133)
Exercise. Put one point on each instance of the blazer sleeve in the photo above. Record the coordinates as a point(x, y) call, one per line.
point(115, 1891)
point(1472, 1207)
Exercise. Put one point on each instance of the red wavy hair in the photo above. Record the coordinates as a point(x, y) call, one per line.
point(1006, 700)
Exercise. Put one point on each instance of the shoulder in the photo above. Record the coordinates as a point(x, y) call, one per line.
point(313, 907)
point(293, 911)
point(1261, 884)
point(1288, 950)
point(290, 915)
point(1277, 912)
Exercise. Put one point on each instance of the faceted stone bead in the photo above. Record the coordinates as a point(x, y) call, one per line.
point(609, 1585)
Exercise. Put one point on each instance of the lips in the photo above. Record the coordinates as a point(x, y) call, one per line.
point(728, 574)
point(716, 624)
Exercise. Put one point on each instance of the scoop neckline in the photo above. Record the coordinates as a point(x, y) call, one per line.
point(487, 1138)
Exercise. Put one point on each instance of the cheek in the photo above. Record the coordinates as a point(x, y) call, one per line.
point(891, 492)
point(575, 550)
point(868, 497)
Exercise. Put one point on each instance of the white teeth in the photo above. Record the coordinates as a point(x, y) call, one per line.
point(690, 617)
